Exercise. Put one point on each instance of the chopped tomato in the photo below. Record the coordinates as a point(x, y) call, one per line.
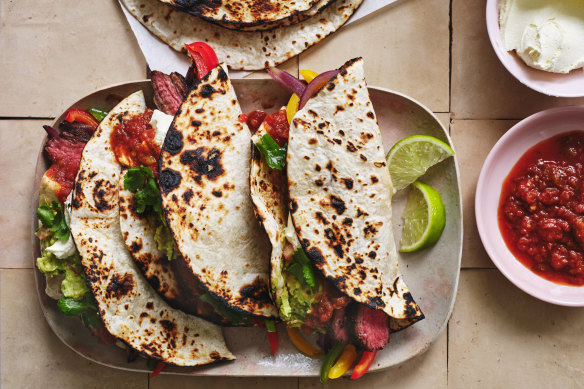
point(255, 119)
point(278, 126)
point(133, 142)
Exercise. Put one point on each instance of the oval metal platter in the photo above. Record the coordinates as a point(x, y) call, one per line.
point(431, 274)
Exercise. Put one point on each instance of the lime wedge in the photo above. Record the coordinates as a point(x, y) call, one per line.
point(424, 218)
point(411, 157)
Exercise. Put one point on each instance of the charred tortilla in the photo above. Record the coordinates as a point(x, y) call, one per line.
point(243, 12)
point(130, 309)
point(340, 194)
point(241, 50)
point(204, 173)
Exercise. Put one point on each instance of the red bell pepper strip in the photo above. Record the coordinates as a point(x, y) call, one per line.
point(79, 115)
point(203, 57)
point(157, 369)
point(272, 335)
point(364, 364)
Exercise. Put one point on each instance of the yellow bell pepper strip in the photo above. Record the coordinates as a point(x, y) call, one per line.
point(344, 362)
point(301, 344)
point(272, 335)
point(157, 369)
point(364, 364)
point(308, 75)
point(292, 107)
point(330, 359)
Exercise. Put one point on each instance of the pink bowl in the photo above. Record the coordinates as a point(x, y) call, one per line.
point(497, 166)
point(553, 84)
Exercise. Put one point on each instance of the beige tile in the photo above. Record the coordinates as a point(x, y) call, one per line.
point(481, 87)
point(471, 155)
point(56, 52)
point(33, 357)
point(176, 381)
point(501, 337)
point(20, 142)
point(425, 371)
point(405, 48)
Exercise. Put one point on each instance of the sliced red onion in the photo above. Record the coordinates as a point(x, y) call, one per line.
point(315, 85)
point(288, 81)
point(51, 132)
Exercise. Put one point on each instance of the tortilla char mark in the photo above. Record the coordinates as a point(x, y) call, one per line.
point(204, 162)
point(169, 180)
point(257, 291)
point(119, 286)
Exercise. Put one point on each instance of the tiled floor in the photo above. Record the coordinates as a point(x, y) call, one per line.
point(436, 51)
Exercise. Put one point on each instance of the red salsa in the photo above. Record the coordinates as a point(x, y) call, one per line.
point(133, 142)
point(541, 209)
point(276, 124)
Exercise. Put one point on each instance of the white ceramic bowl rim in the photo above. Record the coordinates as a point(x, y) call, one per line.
point(553, 84)
point(504, 155)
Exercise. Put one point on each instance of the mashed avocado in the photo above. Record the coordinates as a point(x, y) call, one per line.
point(163, 239)
point(74, 284)
point(297, 300)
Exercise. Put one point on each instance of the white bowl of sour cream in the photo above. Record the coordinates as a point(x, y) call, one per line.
point(546, 34)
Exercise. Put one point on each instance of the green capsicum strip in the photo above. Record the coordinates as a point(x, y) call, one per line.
point(329, 361)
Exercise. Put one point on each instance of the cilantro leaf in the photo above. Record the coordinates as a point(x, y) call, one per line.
point(91, 319)
point(274, 154)
point(71, 307)
point(86, 309)
point(52, 216)
point(140, 180)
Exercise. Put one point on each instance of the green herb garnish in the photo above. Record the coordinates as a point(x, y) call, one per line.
point(52, 216)
point(301, 268)
point(140, 180)
point(86, 309)
point(274, 154)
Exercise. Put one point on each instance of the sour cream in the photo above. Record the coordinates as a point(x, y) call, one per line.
point(546, 34)
point(161, 123)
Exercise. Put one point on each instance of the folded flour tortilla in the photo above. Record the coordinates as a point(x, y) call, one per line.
point(130, 309)
point(243, 12)
point(240, 50)
point(204, 181)
point(340, 194)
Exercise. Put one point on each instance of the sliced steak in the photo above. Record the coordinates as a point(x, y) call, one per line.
point(371, 328)
point(169, 91)
point(339, 325)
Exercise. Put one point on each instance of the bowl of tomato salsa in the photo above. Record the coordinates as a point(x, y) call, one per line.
point(529, 205)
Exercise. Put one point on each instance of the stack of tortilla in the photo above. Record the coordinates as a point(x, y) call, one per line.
point(246, 34)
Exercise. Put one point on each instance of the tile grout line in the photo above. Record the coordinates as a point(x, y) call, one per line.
point(450, 35)
point(26, 118)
